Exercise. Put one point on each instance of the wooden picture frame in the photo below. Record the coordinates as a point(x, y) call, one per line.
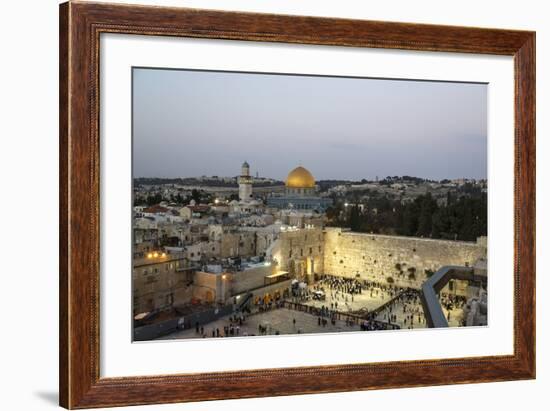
point(80, 27)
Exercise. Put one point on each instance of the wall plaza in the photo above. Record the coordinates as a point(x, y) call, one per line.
point(269, 264)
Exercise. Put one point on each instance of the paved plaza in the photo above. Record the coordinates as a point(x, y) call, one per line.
point(455, 319)
point(405, 311)
point(407, 315)
point(369, 299)
point(276, 320)
point(410, 315)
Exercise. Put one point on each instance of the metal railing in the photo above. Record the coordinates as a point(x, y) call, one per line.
point(338, 315)
point(435, 318)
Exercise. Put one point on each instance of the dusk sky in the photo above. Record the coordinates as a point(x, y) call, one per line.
point(193, 123)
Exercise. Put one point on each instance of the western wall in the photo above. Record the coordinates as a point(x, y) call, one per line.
point(378, 257)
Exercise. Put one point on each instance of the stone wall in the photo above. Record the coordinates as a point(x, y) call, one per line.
point(380, 256)
point(210, 287)
point(155, 282)
point(264, 241)
point(239, 244)
point(250, 278)
point(300, 252)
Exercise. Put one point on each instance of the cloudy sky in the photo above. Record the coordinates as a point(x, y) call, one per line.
point(192, 123)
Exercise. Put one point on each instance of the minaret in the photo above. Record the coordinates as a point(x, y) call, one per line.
point(245, 183)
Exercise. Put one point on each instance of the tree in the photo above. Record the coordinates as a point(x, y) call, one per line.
point(449, 198)
point(154, 199)
point(331, 213)
point(196, 195)
point(427, 208)
point(464, 217)
point(355, 218)
point(410, 219)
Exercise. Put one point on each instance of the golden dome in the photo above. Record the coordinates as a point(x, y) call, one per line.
point(300, 178)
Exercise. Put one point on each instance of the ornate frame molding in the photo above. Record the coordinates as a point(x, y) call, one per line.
point(81, 24)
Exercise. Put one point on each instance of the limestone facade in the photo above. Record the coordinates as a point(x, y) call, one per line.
point(249, 278)
point(300, 252)
point(168, 280)
point(378, 257)
point(160, 282)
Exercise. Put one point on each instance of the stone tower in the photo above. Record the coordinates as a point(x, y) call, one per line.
point(245, 183)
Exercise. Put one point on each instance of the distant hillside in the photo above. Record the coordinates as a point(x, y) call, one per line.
point(207, 182)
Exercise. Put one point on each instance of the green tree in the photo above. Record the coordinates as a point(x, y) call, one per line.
point(355, 218)
point(154, 199)
point(196, 195)
point(428, 206)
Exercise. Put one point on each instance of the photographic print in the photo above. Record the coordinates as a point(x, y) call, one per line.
point(248, 179)
point(270, 204)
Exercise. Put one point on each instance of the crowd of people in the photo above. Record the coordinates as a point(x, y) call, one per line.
point(403, 308)
point(373, 325)
point(232, 329)
point(343, 285)
point(261, 307)
point(451, 302)
point(342, 291)
point(268, 301)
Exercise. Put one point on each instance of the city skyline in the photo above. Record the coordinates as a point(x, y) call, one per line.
point(348, 128)
point(267, 178)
